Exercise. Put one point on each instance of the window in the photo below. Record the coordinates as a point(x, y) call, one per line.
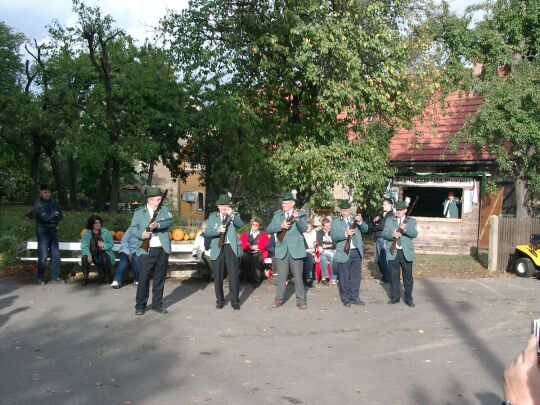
point(200, 202)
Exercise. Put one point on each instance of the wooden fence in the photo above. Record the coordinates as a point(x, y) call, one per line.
point(513, 232)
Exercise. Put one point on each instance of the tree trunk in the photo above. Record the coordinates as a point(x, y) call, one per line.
point(34, 168)
point(115, 184)
point(522, 201)
point(58, 178)
point(212, 190)
point(103, 190)
point(72, 167)
point(151, 169)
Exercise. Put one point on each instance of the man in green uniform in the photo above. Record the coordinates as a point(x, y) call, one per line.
point(154, 262)
point(225, 250)
point(403, 230)
point(450, 206)
point(349, 262)
point(291, 251)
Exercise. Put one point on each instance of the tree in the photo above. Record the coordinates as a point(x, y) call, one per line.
point(506, 42)
point(307, 72)
point(12, 178)
point(508, 123)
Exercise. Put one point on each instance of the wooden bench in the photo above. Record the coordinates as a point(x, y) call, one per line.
point(75, 249)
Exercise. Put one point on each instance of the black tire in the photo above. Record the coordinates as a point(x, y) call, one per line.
point(524, 267)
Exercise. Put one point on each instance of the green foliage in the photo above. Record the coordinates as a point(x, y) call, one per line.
point(304, 73)
point(508, 124)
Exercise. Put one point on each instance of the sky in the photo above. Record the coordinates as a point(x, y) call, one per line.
point(135, 16)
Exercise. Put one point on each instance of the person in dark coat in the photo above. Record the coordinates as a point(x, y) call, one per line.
point(48, 214)
point(380, 243)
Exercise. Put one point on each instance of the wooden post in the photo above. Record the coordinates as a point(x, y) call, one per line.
point(493, 242)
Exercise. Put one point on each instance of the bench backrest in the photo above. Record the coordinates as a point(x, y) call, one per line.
point(76, 246)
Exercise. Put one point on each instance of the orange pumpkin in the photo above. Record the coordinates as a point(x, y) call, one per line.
point(192, 235)
point(113, 234)
point(178, 234)
point(186, 236)
point(119, 235)
point(170, 235)
point(82, 231)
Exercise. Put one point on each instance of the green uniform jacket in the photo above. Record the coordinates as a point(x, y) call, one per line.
point(406, 238)
point(141, 220)
point(294, 238)
point(108, 243)
point(452, 207)
point(231, 234)
point(339, 226)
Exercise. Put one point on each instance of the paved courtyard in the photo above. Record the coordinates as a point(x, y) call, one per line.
point(68, 344)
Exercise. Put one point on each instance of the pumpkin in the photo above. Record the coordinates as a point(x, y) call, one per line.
point(178, 234)
point(186, 236)
point(192, 235)
point(119, 235)
point(113, 234)
point(82, 231)
point(170, 236)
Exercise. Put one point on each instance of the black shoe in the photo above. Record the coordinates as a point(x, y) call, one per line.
point(220, 305)
point(393, 301)
point(85, 281)
point(160, 310)
point(410, 303)
point(236, 307)
point(358, 302)
point(139, 312)
point(325, 282)
point(40, 281)
point(347, 303)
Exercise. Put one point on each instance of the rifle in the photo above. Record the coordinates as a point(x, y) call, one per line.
point(221, 241)
point(347, 246)
point(281, 234)
point(405, 220)
point(145, 245)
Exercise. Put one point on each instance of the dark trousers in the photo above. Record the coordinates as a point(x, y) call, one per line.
point(47, 240)
point(226, 260)
point(349, 277)
point(251, 265)
point(154, 263)
point(382, 261)
point(408, 282)
point(103, 262)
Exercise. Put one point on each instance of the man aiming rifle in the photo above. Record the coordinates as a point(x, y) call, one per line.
point(151, 224)
point(399, 232)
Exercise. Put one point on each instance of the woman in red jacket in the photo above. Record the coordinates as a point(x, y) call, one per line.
point(254, 247)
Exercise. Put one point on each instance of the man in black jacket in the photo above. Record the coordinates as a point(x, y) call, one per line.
point(47, 213)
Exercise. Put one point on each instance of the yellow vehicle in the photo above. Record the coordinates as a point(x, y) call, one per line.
point(527, 257)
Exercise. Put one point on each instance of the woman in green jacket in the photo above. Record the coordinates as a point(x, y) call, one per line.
point(97, 248)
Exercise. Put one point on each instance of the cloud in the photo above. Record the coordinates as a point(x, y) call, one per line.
point(137, 17)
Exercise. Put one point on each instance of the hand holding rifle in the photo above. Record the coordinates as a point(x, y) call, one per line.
point(349, 232)
point(398, 232)
point(286, 224)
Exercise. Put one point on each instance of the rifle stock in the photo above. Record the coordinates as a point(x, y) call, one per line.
point(405, 220)
point(145, 245)
point(221, 241)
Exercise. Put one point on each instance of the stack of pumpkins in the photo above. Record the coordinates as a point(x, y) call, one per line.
point(179, 234)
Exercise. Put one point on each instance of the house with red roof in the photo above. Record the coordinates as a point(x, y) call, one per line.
point(428, 167)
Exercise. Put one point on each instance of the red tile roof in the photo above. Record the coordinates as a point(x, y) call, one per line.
point(429, 139)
